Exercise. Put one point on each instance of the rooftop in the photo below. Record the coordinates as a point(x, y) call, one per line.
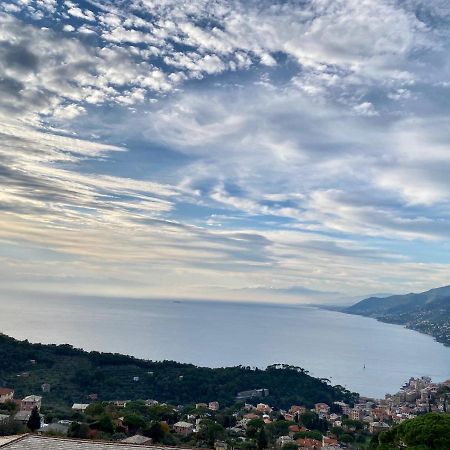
point(6, 391)
point(33, 442)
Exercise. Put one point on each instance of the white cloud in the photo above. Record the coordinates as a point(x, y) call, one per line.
point(314, 133)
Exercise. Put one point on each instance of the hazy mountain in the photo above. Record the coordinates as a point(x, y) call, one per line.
point(427, 312)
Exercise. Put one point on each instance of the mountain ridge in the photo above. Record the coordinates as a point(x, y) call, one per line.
point(427, 312)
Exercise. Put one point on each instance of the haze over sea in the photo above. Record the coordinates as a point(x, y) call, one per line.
point(326, 343)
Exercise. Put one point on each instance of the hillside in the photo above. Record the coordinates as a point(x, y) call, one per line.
point(74, 374)
point(427, 312)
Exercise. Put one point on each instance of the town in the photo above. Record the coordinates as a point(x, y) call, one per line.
point(249, 424)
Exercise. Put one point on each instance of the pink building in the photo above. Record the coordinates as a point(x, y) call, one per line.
point(31, 401)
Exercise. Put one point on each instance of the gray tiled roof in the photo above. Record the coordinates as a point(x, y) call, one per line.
point(32, 442)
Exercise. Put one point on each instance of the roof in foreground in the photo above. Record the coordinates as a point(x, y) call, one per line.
point(33, 442)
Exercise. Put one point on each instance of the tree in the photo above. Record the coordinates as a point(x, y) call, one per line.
point(154, 431)
point(95, 409)
point(430, 431)
point(79, 430)
point(134, 422)
point(261, 439)
point(105, 424)
point(10, 406)
point(34, 422)
point(290, 446)
point(210, 431)
point(253, 426)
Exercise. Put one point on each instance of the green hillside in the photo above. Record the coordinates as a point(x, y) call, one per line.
point(74, 374)
point(427, 312)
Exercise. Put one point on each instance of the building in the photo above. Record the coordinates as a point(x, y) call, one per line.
point(201, 405)
point(309, 444)
point(183, 428)
point(329, 441)
point(31, 401)
point(321, 408)
point(253, 393)
point(284, 440)
point(262, 407)
point(121, 403)
point(6, 395)
point(137, 439)
point(45, 387)
point(213, 406)
point(22, 417)
point(376, 427)
point(80, 407)
point(357, 414)
point(220, 445)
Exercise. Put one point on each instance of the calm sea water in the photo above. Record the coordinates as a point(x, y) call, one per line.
point(326, 343)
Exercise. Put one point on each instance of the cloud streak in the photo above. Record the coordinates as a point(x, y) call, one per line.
point(209, 149)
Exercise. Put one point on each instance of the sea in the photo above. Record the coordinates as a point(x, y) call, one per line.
point(362, 354)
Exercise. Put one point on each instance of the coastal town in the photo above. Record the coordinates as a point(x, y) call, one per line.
point(250, 424)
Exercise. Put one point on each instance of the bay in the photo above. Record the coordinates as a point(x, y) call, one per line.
point(364, 355)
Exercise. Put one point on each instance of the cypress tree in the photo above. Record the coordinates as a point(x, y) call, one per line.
point(34, 422)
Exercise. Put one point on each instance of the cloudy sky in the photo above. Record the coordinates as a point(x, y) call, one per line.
point(246, 150)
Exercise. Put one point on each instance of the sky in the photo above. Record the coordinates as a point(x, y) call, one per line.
point(282, 151)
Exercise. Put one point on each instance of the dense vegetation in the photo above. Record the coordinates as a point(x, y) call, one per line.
point(430, 431)
point(74, 374)
point(427, 312)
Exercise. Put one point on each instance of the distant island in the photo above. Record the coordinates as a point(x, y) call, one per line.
point(427, 312)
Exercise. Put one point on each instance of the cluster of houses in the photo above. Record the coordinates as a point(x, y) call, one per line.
point(417, 396)
point(24, 406)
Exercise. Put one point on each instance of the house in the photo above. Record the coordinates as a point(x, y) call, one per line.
point(250, 416)
point(183, 428)
point(309, 444)
point(137, 439)
point(321, 408)
point(6, 395)
point(297, 409)
point(262, 407)
point(31, 401)
point(121, 403)
point(22, 417)
point(356, 414)
point(284, 440)
point(376, 427)
point(213, 406)
point(220, 445)
point(253, 393)
point(80, 407)
point(201, 405)
point(329, 441)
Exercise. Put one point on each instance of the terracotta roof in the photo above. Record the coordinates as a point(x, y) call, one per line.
point(6, 391)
